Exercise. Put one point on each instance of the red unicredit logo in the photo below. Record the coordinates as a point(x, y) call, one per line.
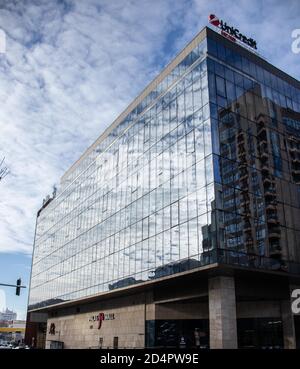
point(214, 20)
point(101, 317)
point(229, 32)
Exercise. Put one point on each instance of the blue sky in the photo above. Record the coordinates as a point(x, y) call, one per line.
point(72, 66)
point(13, 266)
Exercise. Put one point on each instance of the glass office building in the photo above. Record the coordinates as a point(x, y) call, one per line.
point(203, 168)
point(139, 200)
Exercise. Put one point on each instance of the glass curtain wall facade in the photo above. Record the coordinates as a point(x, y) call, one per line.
point(141, 200)
point(255, 120)
point(205, 168)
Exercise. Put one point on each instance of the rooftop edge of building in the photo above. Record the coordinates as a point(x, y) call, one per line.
point(204, 33)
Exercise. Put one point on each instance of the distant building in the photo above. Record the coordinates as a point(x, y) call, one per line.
point(8, 315)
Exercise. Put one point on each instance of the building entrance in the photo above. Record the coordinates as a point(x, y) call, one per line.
point(260, 333)
point(187, 333)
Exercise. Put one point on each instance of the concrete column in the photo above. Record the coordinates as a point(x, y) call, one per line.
point(289, 337)
point(222, 313)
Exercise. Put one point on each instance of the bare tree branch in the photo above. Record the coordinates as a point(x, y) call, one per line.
point(3, 170)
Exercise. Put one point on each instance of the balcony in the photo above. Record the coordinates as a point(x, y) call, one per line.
point(292, 139)
point(275, 253)
point(273, 228)
point(275, 246)
point(263, 144)
point(272, 220)
point(265, 168)
point(294, 149)
point(271, 206)
point(267, 181)
point(246, 213)
point(270, 201)
point(264, 156)
point(242, 165)
point(274, 235)
point(296, 161)
point(244, 177)
point(270, 194)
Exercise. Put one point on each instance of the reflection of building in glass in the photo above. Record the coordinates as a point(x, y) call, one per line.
point(181, 209)
point(257, 175)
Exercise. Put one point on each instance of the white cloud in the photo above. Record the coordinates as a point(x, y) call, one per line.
point(72, 66)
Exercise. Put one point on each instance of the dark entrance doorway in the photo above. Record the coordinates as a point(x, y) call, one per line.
point(189, 333)
point(297, 330)
point(260, 333)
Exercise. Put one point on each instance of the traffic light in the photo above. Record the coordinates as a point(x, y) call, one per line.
point(18, 288)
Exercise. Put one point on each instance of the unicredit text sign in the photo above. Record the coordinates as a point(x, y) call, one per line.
point(100, 317)
point(231, 33)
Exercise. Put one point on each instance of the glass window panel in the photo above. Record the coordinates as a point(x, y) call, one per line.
point(184, 241)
